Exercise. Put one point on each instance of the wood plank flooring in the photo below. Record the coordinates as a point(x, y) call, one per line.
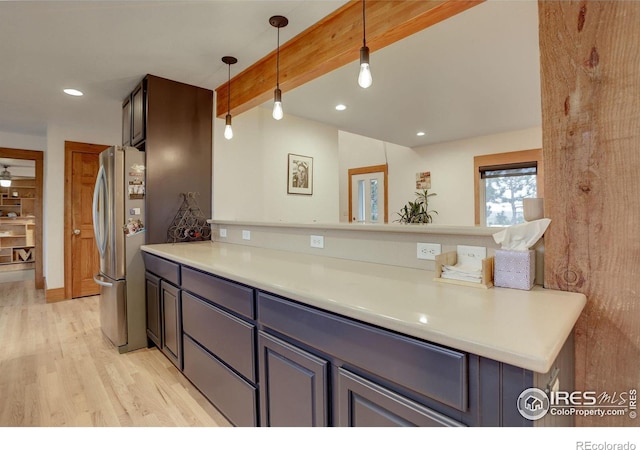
point(57, 369)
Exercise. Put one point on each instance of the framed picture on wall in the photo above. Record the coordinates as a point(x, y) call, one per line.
point(300, 175)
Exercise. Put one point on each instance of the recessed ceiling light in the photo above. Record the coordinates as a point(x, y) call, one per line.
point(341, 107)
point(74, 92)
point(420, 133)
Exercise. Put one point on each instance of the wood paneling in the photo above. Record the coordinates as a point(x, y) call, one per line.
point(331, 43)
point(590, 68)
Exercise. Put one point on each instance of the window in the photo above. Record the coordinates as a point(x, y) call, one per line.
point(502, 181)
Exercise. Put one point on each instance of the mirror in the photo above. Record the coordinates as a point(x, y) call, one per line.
point(471, 83)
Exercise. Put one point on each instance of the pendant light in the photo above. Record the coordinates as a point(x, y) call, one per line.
point(278, 22)
point(228, 131)
point(5, 178)
point(364, 77)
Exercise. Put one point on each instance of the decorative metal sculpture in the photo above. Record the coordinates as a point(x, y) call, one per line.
point(189, 224)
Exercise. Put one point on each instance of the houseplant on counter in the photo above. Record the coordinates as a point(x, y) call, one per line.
point(418, 211)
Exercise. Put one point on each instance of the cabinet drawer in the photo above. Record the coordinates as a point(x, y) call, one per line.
point(164, 268)
point(225, 293)
point(427, 369)
point(229, 338)
point(226, 390)
point(363, 403)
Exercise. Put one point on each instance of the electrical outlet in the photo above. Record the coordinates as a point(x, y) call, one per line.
point(428, 251)
point(317, 241)
point(246, 235)
point(223, 232)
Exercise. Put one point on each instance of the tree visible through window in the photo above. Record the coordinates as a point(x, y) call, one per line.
point(504, 189)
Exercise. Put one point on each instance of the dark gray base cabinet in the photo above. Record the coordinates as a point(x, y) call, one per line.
point(170, 297)
point(234, 397)
point(264, 360)
point(363, 403)
point(294, 389)
point(220, 336)
point(154, 317)
point(164, 306)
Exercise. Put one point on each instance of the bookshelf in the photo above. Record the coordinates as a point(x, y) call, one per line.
point(17, 225)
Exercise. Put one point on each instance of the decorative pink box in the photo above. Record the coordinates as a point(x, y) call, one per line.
point(515, 269)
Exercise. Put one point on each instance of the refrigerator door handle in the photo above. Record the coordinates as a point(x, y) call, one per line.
point(100, 238)
point(100, 282)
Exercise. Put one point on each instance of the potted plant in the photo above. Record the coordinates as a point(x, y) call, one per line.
point(418, 211)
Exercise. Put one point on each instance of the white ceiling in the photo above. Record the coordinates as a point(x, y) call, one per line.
point(474, 74)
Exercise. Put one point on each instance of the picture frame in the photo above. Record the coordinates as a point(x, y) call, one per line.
point(300, 174)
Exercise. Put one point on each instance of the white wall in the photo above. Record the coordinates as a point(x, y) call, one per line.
point(106, 133)
point(450, 164)
point(22, 141)
point(250, 171)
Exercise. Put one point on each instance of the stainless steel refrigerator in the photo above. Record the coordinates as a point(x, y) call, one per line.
point(118, 222)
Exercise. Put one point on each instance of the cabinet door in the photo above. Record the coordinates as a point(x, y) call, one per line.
point(293, 386)
point(138, 113)
point(362, 403)
point(171, 323)
point(153, 308)
point(126, 122)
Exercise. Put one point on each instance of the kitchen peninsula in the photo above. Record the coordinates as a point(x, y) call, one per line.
point(280, 338)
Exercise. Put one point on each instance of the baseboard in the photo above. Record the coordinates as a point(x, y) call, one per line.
point(55, 295)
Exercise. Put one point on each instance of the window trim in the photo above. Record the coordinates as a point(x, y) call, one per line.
point(504, 159)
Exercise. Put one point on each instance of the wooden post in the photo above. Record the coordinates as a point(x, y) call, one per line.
point(590, 69)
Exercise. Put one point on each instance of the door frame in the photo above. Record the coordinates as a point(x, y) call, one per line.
point(371, 169)
point(71, 147)
point(38, 157)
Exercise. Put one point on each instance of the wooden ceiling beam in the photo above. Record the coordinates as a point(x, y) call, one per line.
point(331, 43)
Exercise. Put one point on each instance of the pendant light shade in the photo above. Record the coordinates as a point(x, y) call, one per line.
point(228, 131)
point(5, 177)
point(278, 22)
point(364, 77)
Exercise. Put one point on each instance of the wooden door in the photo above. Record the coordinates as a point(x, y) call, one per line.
point(82, 259)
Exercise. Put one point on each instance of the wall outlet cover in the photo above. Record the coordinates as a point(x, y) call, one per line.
point(317, 241)
point(246, 235)
point(223, 232)
point(428, 251)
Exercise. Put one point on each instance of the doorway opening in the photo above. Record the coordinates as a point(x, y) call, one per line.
point(368, 194)
point(21, 215)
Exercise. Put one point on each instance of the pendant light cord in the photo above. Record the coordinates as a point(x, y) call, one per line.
point(229, 90)
point(278, 61)
point(364, 26)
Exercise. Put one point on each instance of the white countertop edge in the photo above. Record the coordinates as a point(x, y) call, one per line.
point(501, 353)
point(384, 228)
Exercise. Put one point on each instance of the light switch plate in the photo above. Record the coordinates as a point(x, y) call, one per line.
point(223, 232)
point(428, 251)
point(246, 235)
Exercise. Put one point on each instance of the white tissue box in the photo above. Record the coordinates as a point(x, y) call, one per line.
point(515, 269)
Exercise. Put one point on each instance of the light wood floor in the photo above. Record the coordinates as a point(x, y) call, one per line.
point(57, 369)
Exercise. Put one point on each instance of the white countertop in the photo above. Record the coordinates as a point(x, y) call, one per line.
point(523, 328)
